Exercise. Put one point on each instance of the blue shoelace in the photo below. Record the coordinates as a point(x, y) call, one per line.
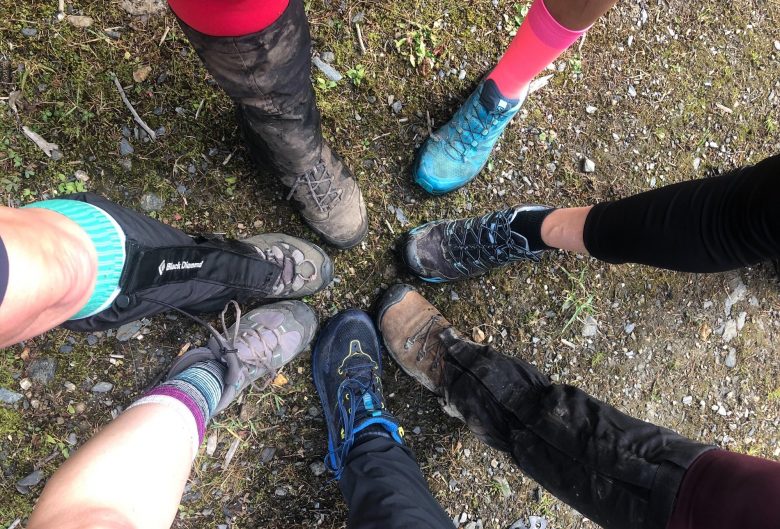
point(470, 123)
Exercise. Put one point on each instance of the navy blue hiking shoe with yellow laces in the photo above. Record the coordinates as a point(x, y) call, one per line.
point(448, 250)
point(455, 154)
point(347, 371)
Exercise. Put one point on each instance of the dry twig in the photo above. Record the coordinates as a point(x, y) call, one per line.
point(129, 105)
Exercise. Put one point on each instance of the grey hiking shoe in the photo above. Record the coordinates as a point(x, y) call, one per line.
point(255, 347)
point(330, 200)
point(306, 268)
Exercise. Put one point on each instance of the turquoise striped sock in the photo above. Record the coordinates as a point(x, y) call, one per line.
point(109, 241)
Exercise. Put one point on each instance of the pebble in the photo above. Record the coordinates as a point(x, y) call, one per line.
point(318, 468)
point(314, 411)
point(9, 397)
point(462, 75)
point(629, 328)
point(730, 331)
point(777, 45)
point(731, 358)
point(29, 32)
point(92, 339)
point(417, 430)
point(687, 400)
point(329, 71)
point(590, 109)
point(125, 149)
point(128, 330)
point(112, 34)
point(281, 492)
point(328, 56)
point(551, 167)
point(25, 384)
point(631, 91)
point(66, 348)
point(741, 320)
point(267, 454)
point(42, 370)
point(590, 327)
point(30, 480)
point(454, 296)
point(696, 163)
point(102, 387)
point(588, 165)
point(397, 106)
point(69, 386)
point(151, 202)
point(126, 164)
point(400, 216)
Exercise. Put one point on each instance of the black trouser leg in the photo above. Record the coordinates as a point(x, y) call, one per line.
point(384, 489)
point(618, 471)
point(268, 75)
point(707, 225)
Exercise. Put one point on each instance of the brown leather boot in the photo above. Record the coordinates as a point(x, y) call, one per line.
point(411, 329)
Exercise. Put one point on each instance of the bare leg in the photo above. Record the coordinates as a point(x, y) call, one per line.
point(579, 14)
point(52, 271)
point(131, 475)
point(563, 229)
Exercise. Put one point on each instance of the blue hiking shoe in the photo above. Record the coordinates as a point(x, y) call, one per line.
point(447, 250)
point(455, 154)
point(347, 371)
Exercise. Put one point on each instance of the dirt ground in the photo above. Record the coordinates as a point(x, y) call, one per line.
point(658, 92)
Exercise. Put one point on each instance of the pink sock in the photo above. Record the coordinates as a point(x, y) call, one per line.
point(539, 41)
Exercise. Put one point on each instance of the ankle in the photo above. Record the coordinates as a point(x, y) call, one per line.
point(563, 228)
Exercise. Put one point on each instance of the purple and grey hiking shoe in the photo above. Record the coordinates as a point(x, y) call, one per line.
point(255, 347)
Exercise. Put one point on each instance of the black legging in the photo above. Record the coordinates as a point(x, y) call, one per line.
point(707, 225)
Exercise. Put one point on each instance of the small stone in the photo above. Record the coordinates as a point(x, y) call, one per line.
point(9, 397)
point(25, 384)
point(551, 167)
point(80, 407)
point(66, 348)
point(590, 327)
point(588, 165)
point(79, 21)
point(696, 163)
point(42, 370)
point(126, 164)
point(112, 34)
point(777, 45)
point(211, 444)
point(631, 91)
point(730, 331)
point(102, 387)
point(267, 454)
point(454, 295)
point(151, 202)
point(400, 216)
point(461, 75)
point(29, 32)
point(417, 430)
point(329, 71)
point(687, 400)
point(741, 319)
point(590, 109)
point(314, 411)
point(69, 386)
point(397, 106)
point(141, 74)
point(30, 480)
point(359, 18)
point(72, 439)
point(281, 492)
point(128, 330)
point(629, 328)
point(731, 358)
point(125, 148)
point(318, 468)
point(92, 339)
point(328, 56)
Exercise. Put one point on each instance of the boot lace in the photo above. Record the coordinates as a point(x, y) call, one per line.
point(291, 261)
point(471, 124)
point(431, 343)
point(486, 242)
point(317, 183)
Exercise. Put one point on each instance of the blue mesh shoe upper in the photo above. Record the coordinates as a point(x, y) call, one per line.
point(458, 151)
point(347, 371)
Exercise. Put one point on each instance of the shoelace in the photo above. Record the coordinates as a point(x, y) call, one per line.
point(353, 391)
point(227, 345)
point(312, 180)
point(425, 333)
point(469, 121)
point(261, 351)
point(295, 262)
point(486, 242)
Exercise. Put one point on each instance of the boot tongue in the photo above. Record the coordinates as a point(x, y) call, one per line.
point(493, 100)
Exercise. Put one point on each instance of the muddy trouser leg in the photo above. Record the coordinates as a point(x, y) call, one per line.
point(166, 268)
point(618, 471)
point(268, 76)
point(705, 225)
point(384, 489)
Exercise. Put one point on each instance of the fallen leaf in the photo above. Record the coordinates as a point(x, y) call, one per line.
point(184, 348)
point(79, 21)
point(25, 354)
point(280, 380)
point(140, 75)
point(704, 332)
point(478, 335)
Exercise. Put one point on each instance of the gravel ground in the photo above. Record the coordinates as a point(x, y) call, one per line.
point(659, 92)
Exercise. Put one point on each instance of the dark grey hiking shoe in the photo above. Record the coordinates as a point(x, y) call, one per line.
point(255, 347)
point(330, 201)
point(306, 268)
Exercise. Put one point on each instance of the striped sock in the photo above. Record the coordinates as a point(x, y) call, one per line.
point(194, 394)
point(109, 241)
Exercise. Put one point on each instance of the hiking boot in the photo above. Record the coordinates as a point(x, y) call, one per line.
point(255, 347)
point(306, 268)
point(457, 152)
point(330, 201)
point(347, 371)
point(411, 329)
point(448, 250)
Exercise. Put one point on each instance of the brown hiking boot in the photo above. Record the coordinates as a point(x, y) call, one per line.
point(330, 200)
point(411, 329)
